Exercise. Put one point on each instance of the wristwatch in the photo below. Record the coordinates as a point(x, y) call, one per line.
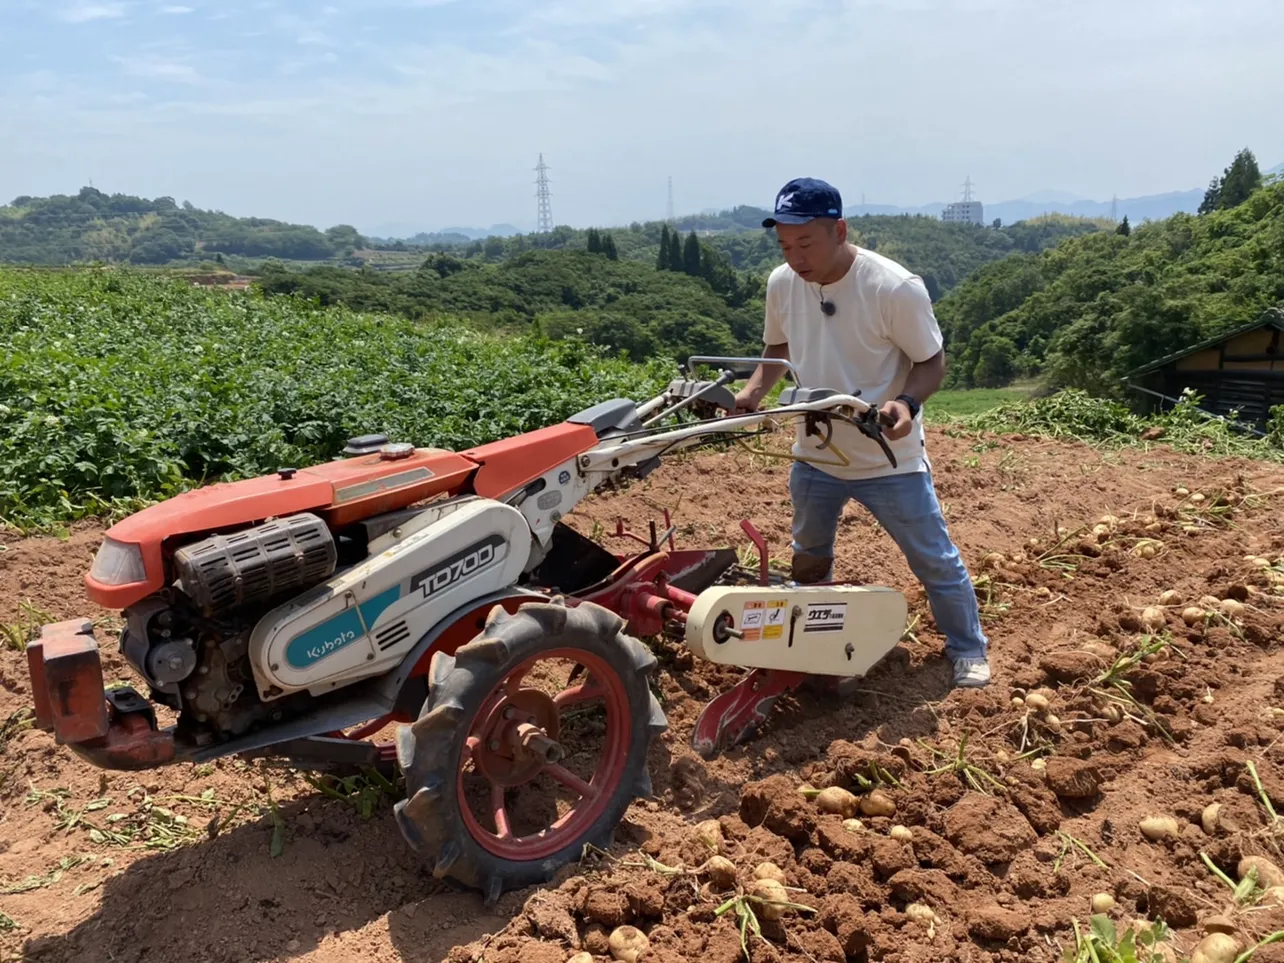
point(911, 404)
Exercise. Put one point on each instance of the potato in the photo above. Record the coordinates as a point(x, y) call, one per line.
point(581, 958)
point(1210, 601)
point(1216, 948)
point(1268, 874)
point(1039, 764)
point(721, 871)
point(1209, 818)
point(769, 871)
point(920, 913)
point(1101, 650)
point(1232, 608)
point(853, 825)
point(772, 892)
point(1037, 702)
point(902, 834)
point(1103, 903)
point(1220, 924)
point(1156, 828)
point(1054, 722)
point(992, 560)
point(1101, 531)
point(1170, 597)
point(1153, 618)
point(837, 800)
point(1197, 497)
point(1112, 714)
point(877, 803)
point(1192, 614)
point(1017, 702)
point(1181, 492)
point(628, 944)
point(709, 833)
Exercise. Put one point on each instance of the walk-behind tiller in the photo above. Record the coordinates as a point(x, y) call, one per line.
point(299, 615)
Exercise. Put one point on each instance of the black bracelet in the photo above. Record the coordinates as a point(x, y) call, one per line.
point(911, 404)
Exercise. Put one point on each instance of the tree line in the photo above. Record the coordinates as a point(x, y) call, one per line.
point(625, 306)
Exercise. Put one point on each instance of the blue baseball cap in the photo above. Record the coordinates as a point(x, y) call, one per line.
point(804, 199)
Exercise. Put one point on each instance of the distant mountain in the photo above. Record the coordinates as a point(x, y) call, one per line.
point(400, 231)
point(1151, 207)
point(480, 234)
point(1052, 197)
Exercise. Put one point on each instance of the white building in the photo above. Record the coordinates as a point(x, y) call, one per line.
point(964, 212)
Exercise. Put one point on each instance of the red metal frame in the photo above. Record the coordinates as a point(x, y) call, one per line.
point(760, 543)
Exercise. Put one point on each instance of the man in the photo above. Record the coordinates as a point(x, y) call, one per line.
point(857, 322)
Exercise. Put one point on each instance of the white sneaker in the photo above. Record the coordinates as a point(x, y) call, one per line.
point(971, 673)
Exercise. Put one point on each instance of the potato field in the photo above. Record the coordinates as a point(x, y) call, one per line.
point(1116, 795)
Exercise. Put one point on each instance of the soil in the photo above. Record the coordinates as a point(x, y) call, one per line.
point(1010, 836)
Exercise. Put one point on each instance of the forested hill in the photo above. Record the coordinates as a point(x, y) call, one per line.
point(1096, 307)
point(117, 228)
point(95, 227)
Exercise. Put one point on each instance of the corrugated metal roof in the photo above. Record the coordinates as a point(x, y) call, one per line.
point(1271, 318)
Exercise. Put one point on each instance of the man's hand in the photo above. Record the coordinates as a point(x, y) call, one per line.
point(747, 402)
point(897, 420)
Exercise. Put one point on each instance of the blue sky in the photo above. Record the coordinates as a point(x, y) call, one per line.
point(428, 113)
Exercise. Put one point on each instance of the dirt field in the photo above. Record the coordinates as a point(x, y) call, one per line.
point(123, 867)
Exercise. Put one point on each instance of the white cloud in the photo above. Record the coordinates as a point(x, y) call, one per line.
point(159, 68)
point(85, 11)
point(312, 37)
point(176, 10)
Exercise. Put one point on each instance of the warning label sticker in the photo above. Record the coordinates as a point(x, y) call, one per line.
point(751, 621)
point(775, 619)
point(825, 617)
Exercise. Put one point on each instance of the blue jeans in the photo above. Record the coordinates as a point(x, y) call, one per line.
point(906, 506)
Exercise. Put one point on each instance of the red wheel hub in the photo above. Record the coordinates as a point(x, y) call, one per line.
point(514, 740)
point(518, 738)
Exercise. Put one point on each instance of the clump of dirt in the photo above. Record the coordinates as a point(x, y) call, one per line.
point(1010, 807)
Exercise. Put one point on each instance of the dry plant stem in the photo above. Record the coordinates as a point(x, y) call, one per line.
point(1067, 841)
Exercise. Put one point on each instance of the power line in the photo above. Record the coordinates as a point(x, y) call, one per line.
point(545, 223)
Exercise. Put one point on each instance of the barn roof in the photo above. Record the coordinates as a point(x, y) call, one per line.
point(1271, 318)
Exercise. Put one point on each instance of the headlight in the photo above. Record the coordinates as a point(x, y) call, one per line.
point(118, 563)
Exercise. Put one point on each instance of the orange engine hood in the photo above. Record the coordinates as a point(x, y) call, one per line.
point(342, 491)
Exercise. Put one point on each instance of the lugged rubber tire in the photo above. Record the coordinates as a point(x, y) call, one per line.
point(429, 751)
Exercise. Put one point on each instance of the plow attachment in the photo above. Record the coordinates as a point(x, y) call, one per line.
point(784, 635)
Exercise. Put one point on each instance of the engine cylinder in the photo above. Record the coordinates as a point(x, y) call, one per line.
point(251, 567)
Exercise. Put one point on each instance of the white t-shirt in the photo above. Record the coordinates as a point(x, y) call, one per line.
point(884, 323)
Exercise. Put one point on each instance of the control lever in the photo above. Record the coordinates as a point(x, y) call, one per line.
point(871, 425)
